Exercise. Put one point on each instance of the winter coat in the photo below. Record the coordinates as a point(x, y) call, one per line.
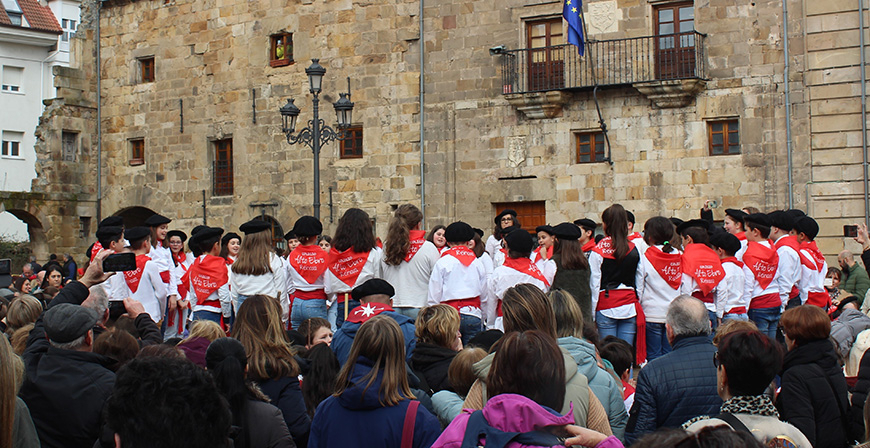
point(603, 384)
point(763, 428)
point(576, 282)
point(65, 390)
point(431, 362)
point(857, 281)
point(266, 427)
point(807, 399)
point(675, 388)
point(845, 329)
point(356, 418)
point(859, 396)
point(343, 338)
point(447, 406)
point(23, 432)
point(286, 395)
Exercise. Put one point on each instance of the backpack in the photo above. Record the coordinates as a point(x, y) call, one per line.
point(478, 427)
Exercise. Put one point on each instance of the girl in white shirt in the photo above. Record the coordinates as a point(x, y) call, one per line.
point(258, 270)
point(408, 260)
point(436, 237)
point(660, 275)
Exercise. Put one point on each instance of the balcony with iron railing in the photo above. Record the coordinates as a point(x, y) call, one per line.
point(668, 69)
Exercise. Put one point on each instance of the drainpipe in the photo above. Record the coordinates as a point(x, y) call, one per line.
point(863, 110)
point(787, 104)
point(422, 130)
point(99, 119)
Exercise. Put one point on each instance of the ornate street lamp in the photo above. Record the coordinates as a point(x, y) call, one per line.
point(317, 133)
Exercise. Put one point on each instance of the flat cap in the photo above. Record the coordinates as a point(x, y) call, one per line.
point(7, 294)
point(757, 218)
point(736, 215)
point(519, 241)
point(567, 231)
point(67, 322)
point(808, 226)
point(111, 221)
point(586, 223)
point(254, 226)
point(781, 220)
point(308, 226)
point(725, 241)
point(504, 212)
point(137, 234)
point(372, 287)
point(181, 235)
point(458, 232)
point(157, 220)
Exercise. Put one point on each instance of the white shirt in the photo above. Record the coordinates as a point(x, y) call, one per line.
point(690, 286)
point(788, 271)
point(743, 245)
point(811, 279)
point(620, 312)
point(751, 287)
point(162, 258)
point(547, 267)
point(222, 295)
point(729, 292)
point(372, 269)
point(493, 244)
point(501, 280)
point(295, 280)
point(271, 284)
point(151, 291)
point(451, 280)
point(410, 279)
point(654, 292)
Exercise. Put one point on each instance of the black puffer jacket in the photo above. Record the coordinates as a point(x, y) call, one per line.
point(812, 381)
point(576, 282)
point(859, 396)
point(432, 362)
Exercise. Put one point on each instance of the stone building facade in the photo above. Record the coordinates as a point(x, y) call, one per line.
point(190, 84)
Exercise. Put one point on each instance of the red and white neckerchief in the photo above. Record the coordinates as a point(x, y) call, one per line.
point(95, 250)
point(605, 248)
point(789, 241)
point(815, 253)
point(180, 257)
point(134, 277)
point(762, 261)
point(207, 276)
point(733, 260)
point(347, 265)
point(703, 264)
point(465, 255)
point(589, 246)
point(668, 266)
point(741, 236)
point(634, 236)
point(365, 312)
point(526, 266)
point(309, 262)
point(417, 238)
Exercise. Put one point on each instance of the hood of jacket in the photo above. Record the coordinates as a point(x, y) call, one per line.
point(358, 396)
point(426, 354)
point(819, 352)
point(516, 413)
point(583, 353)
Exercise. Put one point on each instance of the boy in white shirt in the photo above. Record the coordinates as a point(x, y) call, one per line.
point(730, 303)
point(144, 284)
point(517, 268)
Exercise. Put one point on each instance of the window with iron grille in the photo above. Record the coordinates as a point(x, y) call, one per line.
point(84, 227)
point(69, 146)
point(724, 137)
point(281, 50)
point(137, 151)
point(146, 69)
point(590, 147)
point(223, 167)
point(352, 146)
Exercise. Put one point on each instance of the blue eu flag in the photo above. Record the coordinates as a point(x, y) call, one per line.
point(571, 12)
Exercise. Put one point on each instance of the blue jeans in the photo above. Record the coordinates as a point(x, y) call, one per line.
point(741, 316)
point(408, 311)
point(656, 341)
point(207, 315)
point(624, 329)
point(766, 319)
point(339, 316)
point(306, 309)
point(470, 327)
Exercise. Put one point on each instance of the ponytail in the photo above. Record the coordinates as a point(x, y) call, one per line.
point(398, 242)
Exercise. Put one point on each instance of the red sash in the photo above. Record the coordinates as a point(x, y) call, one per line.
point(619, 297)
point(605, 248)
point(463, 254)
point(765, 301)
point(347, 265)
point(207, 276)
point(814, 252)
point(134, 277)
point(317, 294)
point(741, 236)
point(589, 246)
point(526, 266)
point(762, 261)
point(165, 277)
point(417, 237)
point(706, 298)
point(668, 266)
point(737, 310)
point(95, 250)
point(309, 262)
point(819, 299)
point(365, 312)
point(733, 260)
point(473, 302)
point(703, 265)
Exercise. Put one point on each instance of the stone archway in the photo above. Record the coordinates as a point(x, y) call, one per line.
point(134, 216)
point(35, 230)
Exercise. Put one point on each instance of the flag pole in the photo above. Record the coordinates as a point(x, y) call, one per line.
point(601, 122)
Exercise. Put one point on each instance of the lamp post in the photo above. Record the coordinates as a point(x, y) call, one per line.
point(317, 133)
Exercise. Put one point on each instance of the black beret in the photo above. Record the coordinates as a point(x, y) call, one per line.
point(308, 226)
point(371, 287)
point(157, 220)
point(519, 241)
point(226, 239)
point(504, 212)
point(254, 226)
point(808, 226)
point(458, 232)
point(291, 235)
point(67, 322)
point(757, 218)
point(725, 241)
point(112, 221)
point(544, 228)
point(630, 216)
point(207, 233)
point(781, 220)
point(567, 231)
point(509, 229)
point(479, 232)
point(677, 222)
point(177, 233)
point(109, 233)
point(197, 229)
point(137, 234)
point(693, 223)
point(736, 215)
point(795, 213)
point(586, 223)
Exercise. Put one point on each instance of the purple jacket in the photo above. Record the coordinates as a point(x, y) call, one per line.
point(511, 413)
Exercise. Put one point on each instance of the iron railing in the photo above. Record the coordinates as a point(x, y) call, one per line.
point(606, 63)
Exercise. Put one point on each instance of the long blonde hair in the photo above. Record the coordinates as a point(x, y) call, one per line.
point(398, 242)
point(380, 340)
point(255, 255)
point(258, 327)
point(11, 375)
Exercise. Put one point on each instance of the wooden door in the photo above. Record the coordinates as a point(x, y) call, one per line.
point(675, 41)
point(530, 214)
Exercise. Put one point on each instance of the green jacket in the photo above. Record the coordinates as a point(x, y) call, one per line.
point(857, 282)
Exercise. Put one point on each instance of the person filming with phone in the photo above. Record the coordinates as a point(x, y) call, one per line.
point(856, 279)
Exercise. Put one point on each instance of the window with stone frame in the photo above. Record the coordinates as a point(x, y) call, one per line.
point(137, 151)
point(69, 146)
point(146, 69)
point(352, 146)
point(724, 137)
point(223, 167)
point(84, 227)
point(281, 50)
point(589, 147)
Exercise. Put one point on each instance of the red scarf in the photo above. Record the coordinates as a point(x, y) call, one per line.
point(741, 236)
point(228, 261)
point(461, 253)
point(526, 266)
point(134, 277)
point(605, 248)
point(347, 265)
point(790, 241)
point(95, 250)
point(733, 260)
point(762, 261)
point(417, 238)
point(309, 262)
point(668, 266)
point(365, 312)
point(207, 276)
point(589, 246)
point(634, 236)
point(180, 258)
point(814, 252)
point(703, 264)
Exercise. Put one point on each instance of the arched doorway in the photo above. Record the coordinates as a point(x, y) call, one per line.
point(35, 234)
point(134, 216)
point(277, 232)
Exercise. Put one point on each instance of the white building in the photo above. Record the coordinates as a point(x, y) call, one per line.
point(34, 37)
